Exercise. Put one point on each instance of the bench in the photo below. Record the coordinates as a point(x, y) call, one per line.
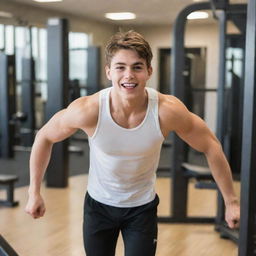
point(202, 175)
point(8, 181)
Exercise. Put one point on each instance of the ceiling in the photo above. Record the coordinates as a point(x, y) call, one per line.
point(157, 12)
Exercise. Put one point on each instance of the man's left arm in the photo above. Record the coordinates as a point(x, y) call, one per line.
point(194, 131)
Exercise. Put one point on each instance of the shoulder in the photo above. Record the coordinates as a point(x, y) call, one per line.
point(83, 111)
point(173, 114)
point(85, 102)
point(170, 106)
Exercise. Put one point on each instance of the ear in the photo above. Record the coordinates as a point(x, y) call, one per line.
point(107, 70)
point(150, 71)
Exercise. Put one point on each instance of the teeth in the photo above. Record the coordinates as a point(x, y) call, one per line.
point(128, 85)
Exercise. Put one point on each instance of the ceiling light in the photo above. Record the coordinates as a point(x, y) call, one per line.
point(120, 16)
point(6, 14)
point(198, 15)
point(47, 1)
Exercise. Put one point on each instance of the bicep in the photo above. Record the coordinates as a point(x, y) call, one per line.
point(196, 133)
point(58, 128)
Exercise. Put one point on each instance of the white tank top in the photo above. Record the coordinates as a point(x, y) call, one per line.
point(123, 162)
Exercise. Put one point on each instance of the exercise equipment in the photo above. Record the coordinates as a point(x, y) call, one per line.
point(7, 104)
point(201, 174)
point(8, 182)
point(27, 125)
point(6, 249)
point(181, 172)
point(233, 101)
point(247, 235)
point(74, 90)
point(19, 126)
point(93, 83)
point(224, 129)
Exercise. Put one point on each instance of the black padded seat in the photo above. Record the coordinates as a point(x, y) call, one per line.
point(202, 175)
point(197, 171)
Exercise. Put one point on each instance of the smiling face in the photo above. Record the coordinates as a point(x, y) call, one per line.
point(128, 73)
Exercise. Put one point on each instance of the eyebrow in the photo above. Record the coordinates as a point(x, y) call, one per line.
point(134, 64)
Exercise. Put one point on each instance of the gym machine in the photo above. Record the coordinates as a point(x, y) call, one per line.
point(93, 84)
point(247, 235)
point(7, 125)
point(6, 249)
point(181, 171)
point(28, 102)
point(7, 104)
point(74, 90)
point(230, 111)
point(21, 123)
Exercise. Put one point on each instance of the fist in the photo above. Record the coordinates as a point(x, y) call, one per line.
point(35, 206)
point(232, 215)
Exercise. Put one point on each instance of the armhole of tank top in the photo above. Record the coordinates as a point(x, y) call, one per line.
point(155, 98)
point(99, 117)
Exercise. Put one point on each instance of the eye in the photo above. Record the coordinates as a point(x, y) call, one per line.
point(137, 67)
point(119, 67)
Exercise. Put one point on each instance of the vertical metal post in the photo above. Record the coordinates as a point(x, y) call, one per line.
point(7, 104)
point(93, 70)
point(222, 74)
point(4, 113)
point(28, 101)
point(220, 99)
point(247, 237)
point(179, 182)
point(58, 82)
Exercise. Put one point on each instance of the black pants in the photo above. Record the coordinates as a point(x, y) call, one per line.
point(102, 224)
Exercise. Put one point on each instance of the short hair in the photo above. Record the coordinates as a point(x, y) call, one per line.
point(130, 40)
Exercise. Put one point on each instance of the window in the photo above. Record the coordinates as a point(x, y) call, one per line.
point(78, 44)
point(1, 37)
point(234, 64)
point(9, 40)
point(20, 45)
point(39, 54)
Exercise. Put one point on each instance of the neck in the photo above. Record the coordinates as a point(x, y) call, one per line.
point(130, 104)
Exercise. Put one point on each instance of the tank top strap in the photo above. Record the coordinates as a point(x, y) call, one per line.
point(153, 103)
point(152, 93)
point(104, 100)
point(104, 93)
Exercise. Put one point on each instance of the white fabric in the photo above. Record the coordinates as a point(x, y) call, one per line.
point(123, 162)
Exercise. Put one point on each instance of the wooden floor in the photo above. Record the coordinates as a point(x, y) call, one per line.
point(60, 233)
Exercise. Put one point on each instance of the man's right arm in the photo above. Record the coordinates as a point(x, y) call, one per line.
point(61, 126)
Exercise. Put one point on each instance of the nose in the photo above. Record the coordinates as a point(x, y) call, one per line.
point(129, 73)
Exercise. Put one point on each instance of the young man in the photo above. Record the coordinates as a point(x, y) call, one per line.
point(126, 125)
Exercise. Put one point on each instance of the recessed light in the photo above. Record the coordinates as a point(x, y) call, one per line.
point(6, 14)
point(198, 15)
point(120, 16)
point(48, 1)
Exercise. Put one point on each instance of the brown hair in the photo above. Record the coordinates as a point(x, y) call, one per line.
point(130, 40)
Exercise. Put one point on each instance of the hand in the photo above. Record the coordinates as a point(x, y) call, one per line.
point(35, 206)
point(232, 215)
